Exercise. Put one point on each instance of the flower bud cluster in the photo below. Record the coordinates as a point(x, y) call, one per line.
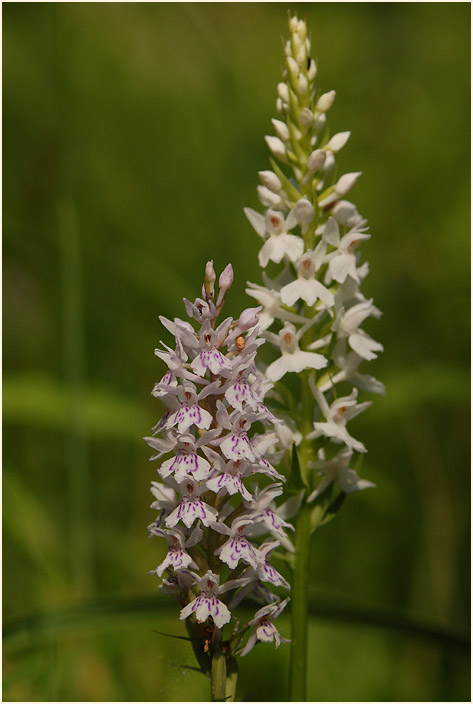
point(216, 493)
point(313, 301)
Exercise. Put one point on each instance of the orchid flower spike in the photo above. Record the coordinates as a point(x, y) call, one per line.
point(208, 447)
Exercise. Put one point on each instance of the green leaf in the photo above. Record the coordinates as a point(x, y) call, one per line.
point(295, 482)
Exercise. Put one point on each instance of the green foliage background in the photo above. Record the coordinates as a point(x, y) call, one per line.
point(133, 134)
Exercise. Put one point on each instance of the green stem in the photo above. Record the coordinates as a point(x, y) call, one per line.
point(74, 363)
point(218, 676)
point(73, 342)
point(232, 676)
point(299, 609)
point(299, 596)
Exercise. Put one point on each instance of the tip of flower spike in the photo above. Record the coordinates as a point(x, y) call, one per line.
point(226, 277)
point(249, 318)
point(224, 282)
point(209, 280)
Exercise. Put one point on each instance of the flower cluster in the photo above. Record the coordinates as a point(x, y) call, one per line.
point(312, 302)
point(215, 498)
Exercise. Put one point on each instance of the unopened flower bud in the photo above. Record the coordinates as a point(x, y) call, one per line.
point(279, 106)
point(306, 117)
point(283, 92)
point(304, 211)
point(312, 71)
point(301, 56)
point(325, 101)
point(297, 42)
point(338, 141)
point(270, 180)
point(346, 182)
point(302, 29)
point(320, 122)
point(209, 280)
point(267, 197)
point(302, 84)
point(249, 318)
point(277, 147)
point(293, 24)
point(288, 48)
point(281, 129)
point(316, 159)
point(293, 66)
point(329, 165)
point(346, 213)
point(224, 282)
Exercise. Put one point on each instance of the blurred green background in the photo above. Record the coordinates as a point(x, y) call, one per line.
point(132, 137)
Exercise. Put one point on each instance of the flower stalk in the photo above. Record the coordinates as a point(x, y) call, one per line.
point(299, 611)
point(218, 676)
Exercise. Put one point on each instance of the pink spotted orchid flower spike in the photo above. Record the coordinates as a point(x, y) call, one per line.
point(217, 489)
point(312, 313)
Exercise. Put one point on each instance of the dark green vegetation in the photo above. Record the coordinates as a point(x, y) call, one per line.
point(133, 134)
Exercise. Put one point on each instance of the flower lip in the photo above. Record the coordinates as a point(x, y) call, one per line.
point(274, 222)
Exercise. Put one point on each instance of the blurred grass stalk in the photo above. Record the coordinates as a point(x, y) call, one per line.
point(68, 231)
point(74, 363)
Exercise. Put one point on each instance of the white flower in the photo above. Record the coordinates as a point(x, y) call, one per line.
point(338, 470)
point(207, 604)
point(306, 286)
point(263, 510)
point(210, 356)
point(235, 445)
point(229, 475)
point(337, 415)
point(168, 380)
point(348, 364)
point(263, 627)
point(292, 358)
point(189, 413)
point(280, 243)
point(265, 571)
point(238, 391)
point(342, 262)
point(272, 308)
point(187, 463)
point(191, 507)
point(347, 325)
point(238, 547)
point(176, 556)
